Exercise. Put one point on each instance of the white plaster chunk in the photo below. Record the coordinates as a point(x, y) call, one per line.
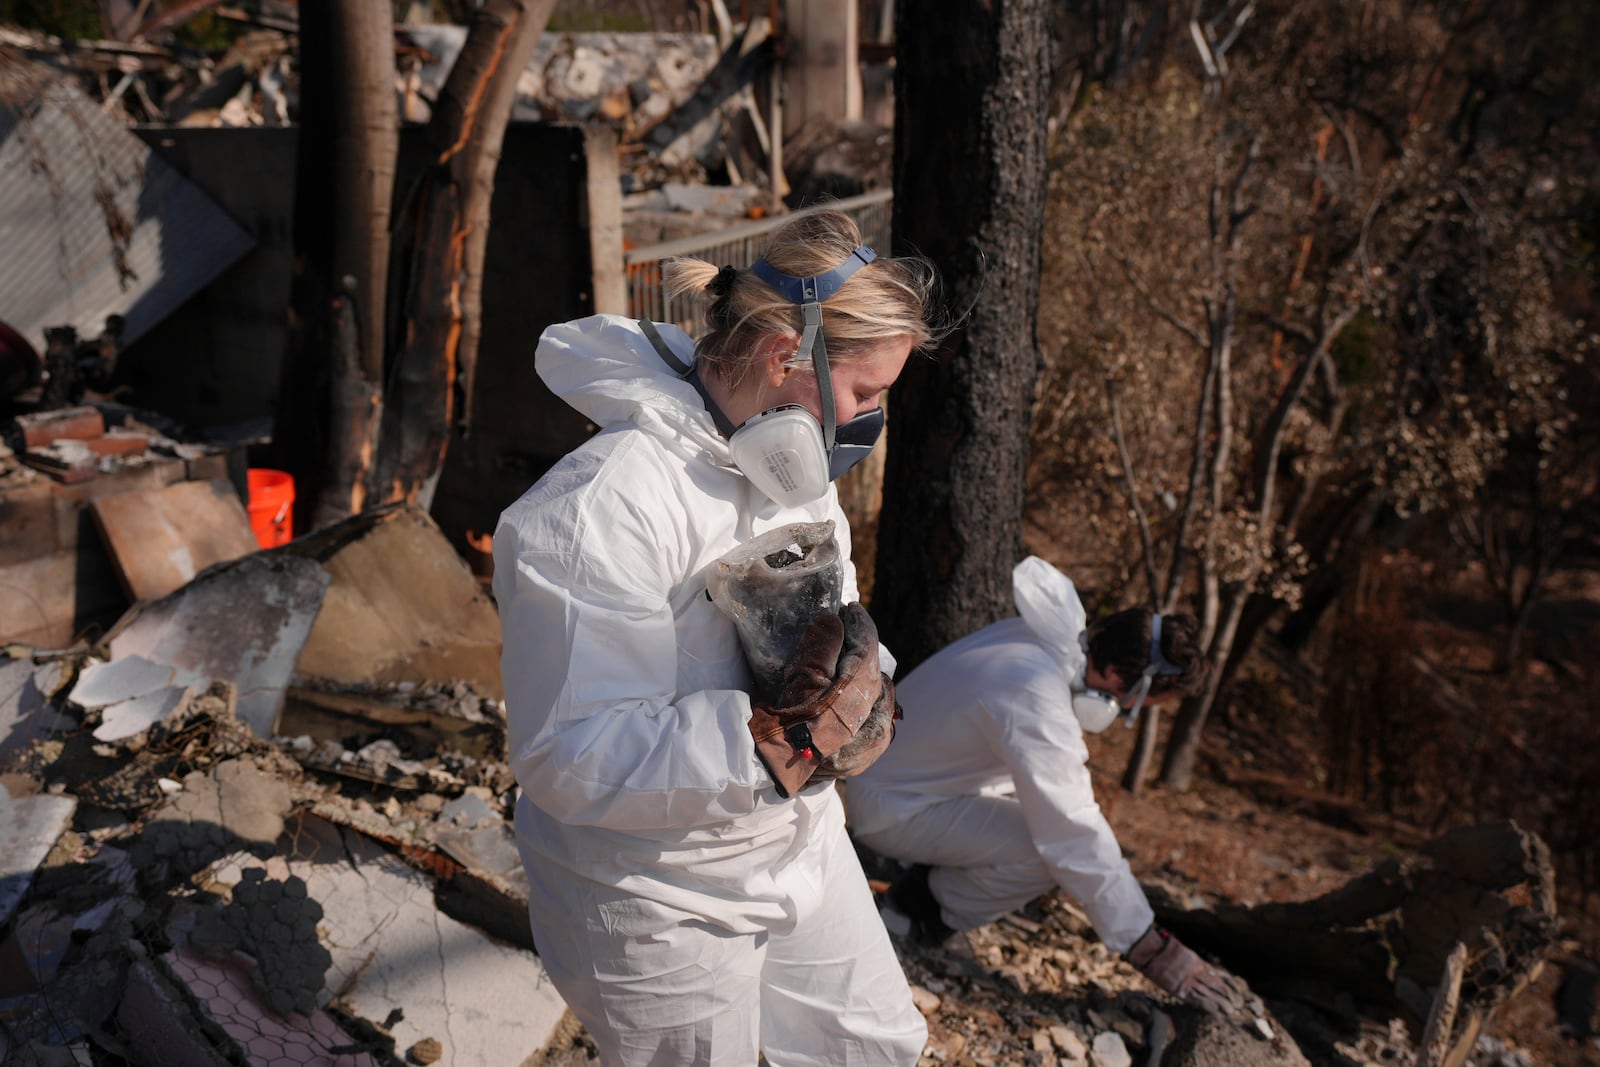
point(1109, 1051)
point(127, 718)
point(125, 678)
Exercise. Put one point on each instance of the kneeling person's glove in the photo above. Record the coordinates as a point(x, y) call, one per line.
point(1176, 968)
point(830, 686)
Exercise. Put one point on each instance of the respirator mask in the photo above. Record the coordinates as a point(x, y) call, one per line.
point(784, 451)
point(1097, 709)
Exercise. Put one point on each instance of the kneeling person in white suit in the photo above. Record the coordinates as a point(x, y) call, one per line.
point(987, 790)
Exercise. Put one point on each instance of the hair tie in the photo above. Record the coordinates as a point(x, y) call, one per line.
point(722, 284)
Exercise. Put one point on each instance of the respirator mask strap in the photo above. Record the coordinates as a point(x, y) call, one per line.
point(687, 373)
point(843, 446)
point(852, 442)
point(814, 348)
point(1159, 664)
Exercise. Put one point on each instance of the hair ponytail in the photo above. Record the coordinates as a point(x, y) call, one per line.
point(889, 297)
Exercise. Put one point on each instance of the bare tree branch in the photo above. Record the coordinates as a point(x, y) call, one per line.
point(1204, 48)
point(1133, 493)
point(1294, 329)
point(1238, 26)
point(1158, 307)
point(1272, 431)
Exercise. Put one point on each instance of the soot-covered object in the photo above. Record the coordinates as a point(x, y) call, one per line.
point(772, 586)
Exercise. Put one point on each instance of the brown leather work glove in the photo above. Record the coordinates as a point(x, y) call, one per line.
point(1176, 968)
point(830, 685)
point(870, 742)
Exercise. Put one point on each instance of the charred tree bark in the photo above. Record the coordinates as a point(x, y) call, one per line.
point(332, 383)
point(971, 96)
point(445, 226)
point(300, 431)
point(366, 129)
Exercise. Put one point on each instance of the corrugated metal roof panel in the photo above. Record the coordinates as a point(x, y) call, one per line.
point(91, 222)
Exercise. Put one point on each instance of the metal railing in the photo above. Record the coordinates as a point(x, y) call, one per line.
point(738, 245)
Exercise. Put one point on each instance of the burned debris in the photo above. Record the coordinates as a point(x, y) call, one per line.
point(255, 804)
point(210, 848)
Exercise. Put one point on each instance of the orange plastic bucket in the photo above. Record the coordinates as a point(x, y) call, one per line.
point(271, 506)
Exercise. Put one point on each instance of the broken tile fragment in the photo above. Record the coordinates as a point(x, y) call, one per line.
point(105, 683)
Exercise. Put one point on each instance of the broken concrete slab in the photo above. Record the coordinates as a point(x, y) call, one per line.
point(236, 804)
point(29, 827)
point(25, 712)
point(485, 1002)
point(401, 606)
point(244, 621)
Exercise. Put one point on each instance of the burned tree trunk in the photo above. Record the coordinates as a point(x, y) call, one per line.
point(445, 226)
point(326, 432)
point(971, 92)
point(366, 138)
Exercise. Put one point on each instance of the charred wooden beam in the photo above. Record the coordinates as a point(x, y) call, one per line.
point(1387, 937)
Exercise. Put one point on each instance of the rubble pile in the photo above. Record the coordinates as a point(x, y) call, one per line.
point(195, 879)
point(680, 103)
point(266, 820)
point(1037, 988)
point(208, 855)
point(76, 444)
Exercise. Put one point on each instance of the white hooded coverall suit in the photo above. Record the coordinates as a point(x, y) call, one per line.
point(685, 911)
point(988, 780)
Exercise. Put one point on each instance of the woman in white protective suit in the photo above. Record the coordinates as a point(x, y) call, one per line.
point(987, 790)
point(692, 905)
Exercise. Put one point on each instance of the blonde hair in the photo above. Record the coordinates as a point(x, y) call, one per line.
point(889, 297)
